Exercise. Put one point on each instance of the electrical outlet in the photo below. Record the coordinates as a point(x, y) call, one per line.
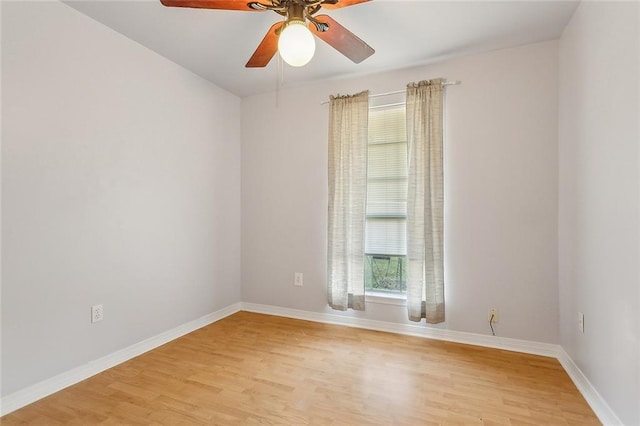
point(297, 279)
point(581, 322)
point(493, 315)
point(97, 313)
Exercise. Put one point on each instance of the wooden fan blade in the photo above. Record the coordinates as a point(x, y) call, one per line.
point(266, 49)
point(336, 4)
point(341, 39)
point(212, 4)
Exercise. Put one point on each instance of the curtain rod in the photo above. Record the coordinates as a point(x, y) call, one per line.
point(446, 83)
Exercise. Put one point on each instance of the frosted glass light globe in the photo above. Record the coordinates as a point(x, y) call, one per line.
point(296, 44)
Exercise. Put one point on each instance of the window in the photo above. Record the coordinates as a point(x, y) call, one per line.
point(386, 201)
point(386, 209)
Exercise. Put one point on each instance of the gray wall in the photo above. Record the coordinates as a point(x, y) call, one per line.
point(120, 186)
point(599, 218)
point(501, 192)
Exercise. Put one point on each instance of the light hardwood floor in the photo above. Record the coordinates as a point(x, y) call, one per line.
point(259, 369)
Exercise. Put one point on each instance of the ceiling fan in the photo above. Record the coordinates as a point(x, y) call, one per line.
point(293, 37)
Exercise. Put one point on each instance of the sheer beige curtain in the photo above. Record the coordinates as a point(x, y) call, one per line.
point(425, 207)
point(348, 126)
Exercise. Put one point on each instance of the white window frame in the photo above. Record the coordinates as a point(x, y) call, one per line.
point(373, 296)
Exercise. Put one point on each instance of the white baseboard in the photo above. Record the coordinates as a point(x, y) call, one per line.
point(46, 387)
point(42, 389)
point(525, 346)
point(599, 406)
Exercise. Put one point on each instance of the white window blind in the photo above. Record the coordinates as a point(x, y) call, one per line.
point(386, 181)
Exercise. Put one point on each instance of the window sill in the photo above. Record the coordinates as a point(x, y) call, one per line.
point(385, 298)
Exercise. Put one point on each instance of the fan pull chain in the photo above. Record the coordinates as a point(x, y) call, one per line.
point(279, 77)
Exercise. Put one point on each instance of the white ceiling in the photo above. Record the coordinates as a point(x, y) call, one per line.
point(216, 44)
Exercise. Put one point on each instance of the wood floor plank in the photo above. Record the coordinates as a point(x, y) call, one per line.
point(258, 369)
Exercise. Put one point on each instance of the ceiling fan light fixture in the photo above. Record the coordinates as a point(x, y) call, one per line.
point(296, 44)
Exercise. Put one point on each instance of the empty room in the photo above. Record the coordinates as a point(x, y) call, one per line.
point(340, 212)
